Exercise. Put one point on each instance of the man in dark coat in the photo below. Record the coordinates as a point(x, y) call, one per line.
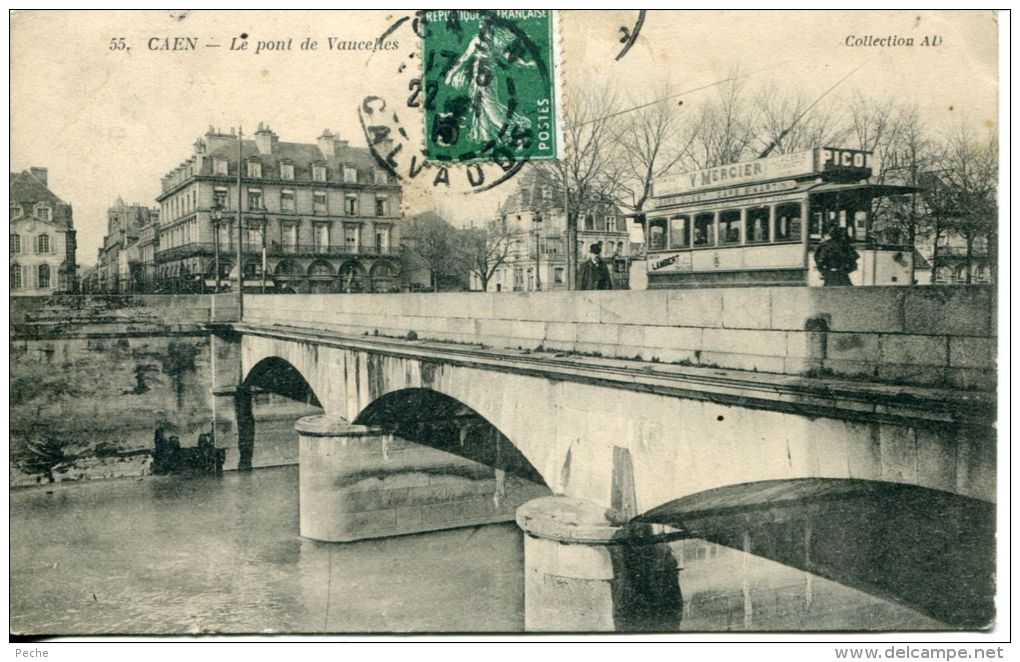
point(594, 274)
point(836, 257)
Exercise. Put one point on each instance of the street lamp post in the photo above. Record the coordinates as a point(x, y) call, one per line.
point(538, 252)
point(216, 214)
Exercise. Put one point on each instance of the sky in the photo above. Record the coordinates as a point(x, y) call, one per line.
point(109, 122)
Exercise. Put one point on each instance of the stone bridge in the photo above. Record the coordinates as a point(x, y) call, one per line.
point(644, 413)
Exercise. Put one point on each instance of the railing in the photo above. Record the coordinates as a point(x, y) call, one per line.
point(274, 249)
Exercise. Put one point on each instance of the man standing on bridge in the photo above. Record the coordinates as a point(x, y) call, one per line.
point(594, 274)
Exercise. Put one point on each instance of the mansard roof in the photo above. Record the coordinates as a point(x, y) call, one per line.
point(28, 191)
point(302, 155)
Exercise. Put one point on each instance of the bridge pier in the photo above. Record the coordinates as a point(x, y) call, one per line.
point(584, 572)
point(359, 482)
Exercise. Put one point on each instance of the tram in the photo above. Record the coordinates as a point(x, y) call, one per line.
point(757, 223)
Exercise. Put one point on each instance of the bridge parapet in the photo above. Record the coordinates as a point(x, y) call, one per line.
point(922, 336)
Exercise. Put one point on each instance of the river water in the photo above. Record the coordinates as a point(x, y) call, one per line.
point(174, 555)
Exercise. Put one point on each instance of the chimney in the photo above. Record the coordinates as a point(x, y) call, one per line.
point(327, 144)
point(264, 139)
point(42, 174)
point(215, 139)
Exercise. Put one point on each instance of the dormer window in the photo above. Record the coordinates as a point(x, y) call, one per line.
point(286, 171)
point(254, 169)
point(380, 176)
point(43, 212)
point(220, 167)
point(350, 175)
point(16, 210)
point(319, 173)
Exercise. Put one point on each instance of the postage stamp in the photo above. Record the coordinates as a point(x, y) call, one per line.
point(489, 80)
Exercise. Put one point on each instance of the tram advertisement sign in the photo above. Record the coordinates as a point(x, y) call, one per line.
point(783, 166)
point(837, 159)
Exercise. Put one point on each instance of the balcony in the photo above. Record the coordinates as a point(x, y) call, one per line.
point(273, 249)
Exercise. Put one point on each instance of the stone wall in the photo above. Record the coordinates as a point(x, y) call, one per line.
point(926, 336)
point(92, 377)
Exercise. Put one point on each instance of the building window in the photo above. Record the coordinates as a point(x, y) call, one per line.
point(289, 236)
point(286, 171)
point(680, 232)
point(703, 224)
point(382, 240)
point(319, 202)
point(42, 243)
point(321, 237)
point(220, 167)
point(15, 243)
point(350, 175)
point(220, 197)
point(788, 222)
point(16, 277)
point(351, 238)
point(380, 176)
point(319, 173)
point(589, 222)
point(43, 213)
point(15, 210)
point(757, 225)
point(621, 223)
point(226, 234)
point(44, 275)
point(287, 200)
point(558, 275)
point(380, 205)
point(255, 169)
point(351, 205)
point(656, 234)
point(253, 236)
point(255, 199)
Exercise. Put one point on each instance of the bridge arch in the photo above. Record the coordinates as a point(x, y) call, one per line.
point(928, 549)
point(437, 420)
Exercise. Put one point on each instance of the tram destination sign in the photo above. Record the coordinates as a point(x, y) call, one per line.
point(783, 166)
point(762, 188)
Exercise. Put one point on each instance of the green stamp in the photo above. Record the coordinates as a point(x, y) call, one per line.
point(490, 86)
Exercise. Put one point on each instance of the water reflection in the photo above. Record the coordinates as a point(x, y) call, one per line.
point(928, 550)
point(175, 555)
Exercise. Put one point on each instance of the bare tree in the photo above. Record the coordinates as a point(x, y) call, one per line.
point(725, 128)
point(590, 171)
point(789, 123)
point(484, 250)
point(652, 140)
point(972, 173)
point(434, 241)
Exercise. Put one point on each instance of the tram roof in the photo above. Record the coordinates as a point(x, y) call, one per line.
point(874, 189)
point(812, 187)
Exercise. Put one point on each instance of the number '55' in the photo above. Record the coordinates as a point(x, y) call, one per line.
point(118, 44)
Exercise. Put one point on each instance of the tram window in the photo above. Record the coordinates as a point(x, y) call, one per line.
point(788, 222)
point(656, 234)
point(817, 225)
point(857, 224)
point(757, 225)
point(703, 229)
point(729, 226)
point(679, 232)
